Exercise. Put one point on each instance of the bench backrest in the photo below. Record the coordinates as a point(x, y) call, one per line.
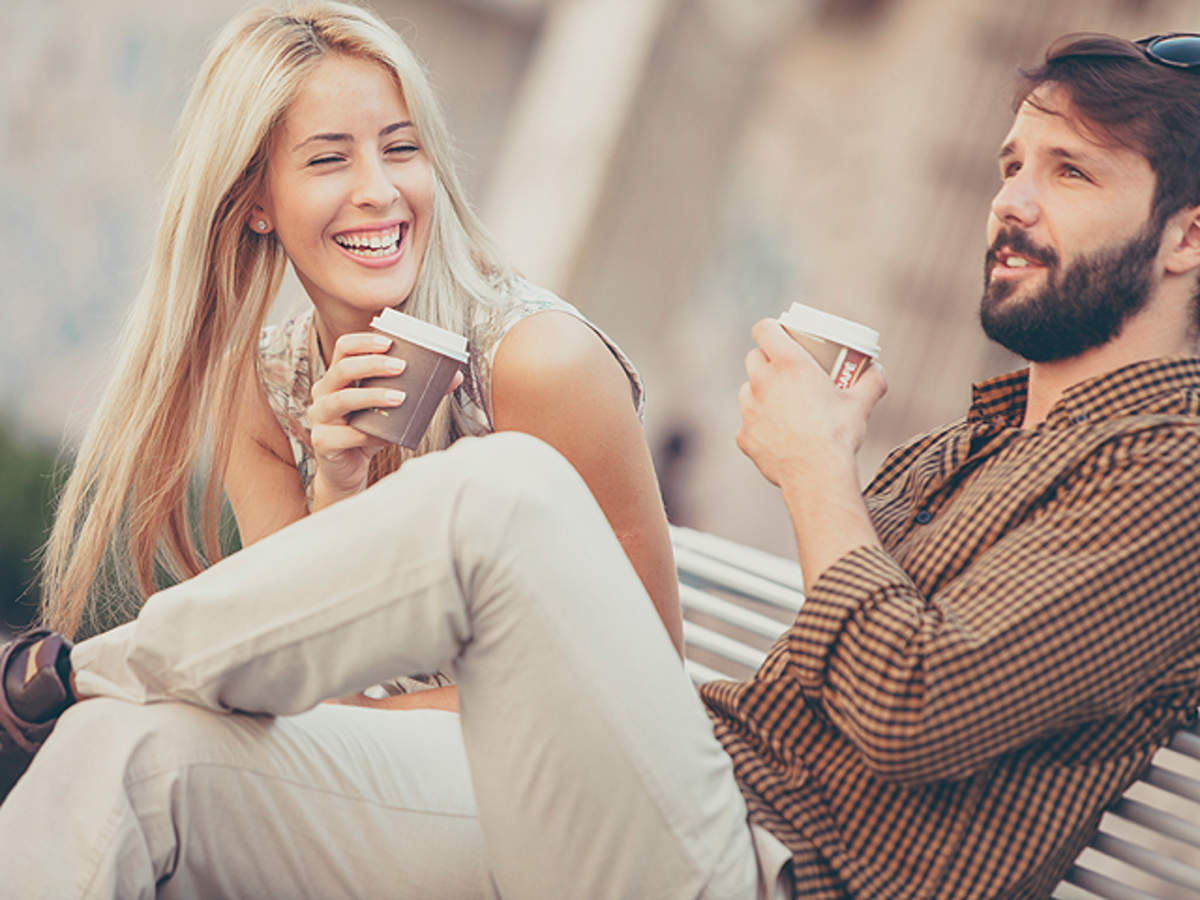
point(737, 600)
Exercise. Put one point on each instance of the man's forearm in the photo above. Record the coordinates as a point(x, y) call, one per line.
point(827, 511)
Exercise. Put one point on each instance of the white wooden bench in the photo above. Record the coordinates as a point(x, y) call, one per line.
point(737, 600)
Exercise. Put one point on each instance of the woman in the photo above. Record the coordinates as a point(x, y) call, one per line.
point(582, 765)
point(312, 136)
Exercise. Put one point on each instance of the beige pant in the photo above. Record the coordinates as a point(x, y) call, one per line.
point(584, 767)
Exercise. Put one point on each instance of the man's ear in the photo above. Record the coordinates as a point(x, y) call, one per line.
point(1183, 241)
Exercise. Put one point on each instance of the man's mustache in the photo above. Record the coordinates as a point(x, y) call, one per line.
point(1015, 240)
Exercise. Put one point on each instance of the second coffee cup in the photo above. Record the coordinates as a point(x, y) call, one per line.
point(843, 348)
point(432, 355)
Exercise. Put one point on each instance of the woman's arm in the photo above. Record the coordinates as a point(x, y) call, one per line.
point(262, 483)
point(444, 697)
point(555, 379)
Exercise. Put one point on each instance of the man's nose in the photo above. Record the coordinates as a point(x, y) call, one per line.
point(1016, 203)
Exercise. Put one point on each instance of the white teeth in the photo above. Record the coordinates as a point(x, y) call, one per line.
point(1016, 262)
point(367, 251)
point(371, 243)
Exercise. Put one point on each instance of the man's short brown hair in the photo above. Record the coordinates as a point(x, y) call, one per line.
point(1128, 99)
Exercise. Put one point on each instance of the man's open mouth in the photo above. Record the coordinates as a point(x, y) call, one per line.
point(1015, 261)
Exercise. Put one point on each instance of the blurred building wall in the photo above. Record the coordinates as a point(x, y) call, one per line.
point(838, 152)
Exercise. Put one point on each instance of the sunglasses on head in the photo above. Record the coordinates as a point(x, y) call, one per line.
point(1180, 50)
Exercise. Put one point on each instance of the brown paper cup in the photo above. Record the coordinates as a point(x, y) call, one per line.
point(425, 380)
point(843, 348)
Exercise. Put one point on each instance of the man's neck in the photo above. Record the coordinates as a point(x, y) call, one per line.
point(1144, 337)
point(1049, 381)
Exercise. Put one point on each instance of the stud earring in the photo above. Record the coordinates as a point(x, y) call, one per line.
point(261, 225)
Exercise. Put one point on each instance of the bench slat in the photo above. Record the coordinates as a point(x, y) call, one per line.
point(1147, 860)
point(700, 673)
point(766, 565)
point(1173, 782)
point(1187, 742)
point(703, 571)
point(1156, 820)
point(1103, 886)
point(726, 647)
point(695, 600)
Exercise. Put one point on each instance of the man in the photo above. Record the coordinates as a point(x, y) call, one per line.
point(994, 642)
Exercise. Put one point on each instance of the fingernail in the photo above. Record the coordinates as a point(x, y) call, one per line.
point(381, 342)
point(394, 365)
point(396, 397)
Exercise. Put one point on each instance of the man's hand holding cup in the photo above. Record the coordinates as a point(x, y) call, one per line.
point(798, 416)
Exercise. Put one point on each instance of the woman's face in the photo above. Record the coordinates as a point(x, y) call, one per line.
point(349, 191)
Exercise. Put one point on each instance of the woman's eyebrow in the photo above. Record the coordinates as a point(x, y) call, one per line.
point(395, 126)
point(334, 137)
point(326, 136)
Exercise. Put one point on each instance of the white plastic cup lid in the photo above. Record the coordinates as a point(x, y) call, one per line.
point(806, 319)
point(418, 331)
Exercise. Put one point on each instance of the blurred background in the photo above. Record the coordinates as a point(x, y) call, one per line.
point(676, 168)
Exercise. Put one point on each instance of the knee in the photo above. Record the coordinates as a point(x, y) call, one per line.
point(511, 470)
point(507, 467)
point(92, 724)
point(102, 739)
point(513, 457)
point(106, 719)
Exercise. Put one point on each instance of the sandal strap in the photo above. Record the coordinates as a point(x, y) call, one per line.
point(18, 728)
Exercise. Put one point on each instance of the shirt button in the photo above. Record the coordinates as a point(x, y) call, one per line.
point(923, 517)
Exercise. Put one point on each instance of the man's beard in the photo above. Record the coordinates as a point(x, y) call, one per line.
point(1084, 308)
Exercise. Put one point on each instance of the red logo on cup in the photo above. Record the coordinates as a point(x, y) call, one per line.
point(849, 367)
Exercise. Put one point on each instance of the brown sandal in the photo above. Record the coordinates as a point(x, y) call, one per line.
point(19, 737)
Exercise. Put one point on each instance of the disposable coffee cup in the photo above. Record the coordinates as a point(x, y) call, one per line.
point(432, 355)
point(843, 348)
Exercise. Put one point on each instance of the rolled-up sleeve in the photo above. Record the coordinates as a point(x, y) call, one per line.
point(1064, 617)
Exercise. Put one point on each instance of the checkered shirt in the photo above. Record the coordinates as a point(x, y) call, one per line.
point(950, 715)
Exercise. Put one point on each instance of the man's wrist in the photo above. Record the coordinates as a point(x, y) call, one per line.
point(815, 469)
point(828, 515)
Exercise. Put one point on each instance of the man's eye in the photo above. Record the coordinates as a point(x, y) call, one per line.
point(1009, 169)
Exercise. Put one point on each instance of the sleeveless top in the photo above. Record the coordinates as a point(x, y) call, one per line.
point(290, 362)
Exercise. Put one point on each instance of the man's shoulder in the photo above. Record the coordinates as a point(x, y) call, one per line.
point(1159, 415)
point(1169, 433)
point(902, 457)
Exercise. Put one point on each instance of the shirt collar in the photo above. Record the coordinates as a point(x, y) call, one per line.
point(1122, 390)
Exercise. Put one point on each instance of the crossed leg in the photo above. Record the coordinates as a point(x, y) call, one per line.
point(591, 762)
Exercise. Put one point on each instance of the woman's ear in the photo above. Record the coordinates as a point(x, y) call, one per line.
point(1183, 250)
point(258, 221)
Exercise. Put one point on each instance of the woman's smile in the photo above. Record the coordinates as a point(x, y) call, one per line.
point(377, 247)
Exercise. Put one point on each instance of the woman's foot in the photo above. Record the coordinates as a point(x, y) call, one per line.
point(35, 688)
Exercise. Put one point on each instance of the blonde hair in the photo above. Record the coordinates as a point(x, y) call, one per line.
point(126, 522)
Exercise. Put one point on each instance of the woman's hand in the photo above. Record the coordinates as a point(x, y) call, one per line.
point(342, 452)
